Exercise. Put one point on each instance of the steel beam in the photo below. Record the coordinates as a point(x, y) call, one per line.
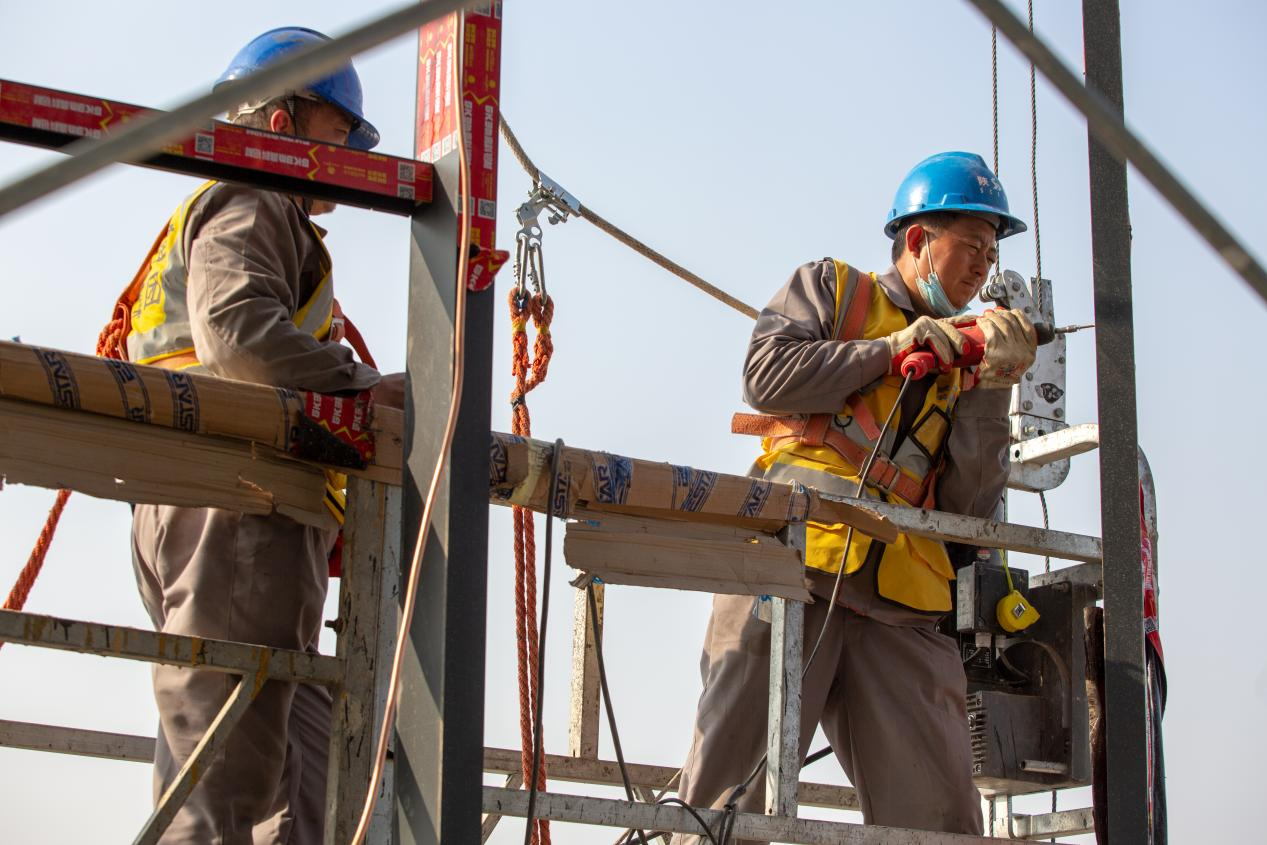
point(259, 662)
point(440, 722)
point(204, 752)
point(1103, 112)
point(149, 134)
point(514, 780)
point(84, 743)
point(52, 119)
point(1057, 446)
point(985, 533)
point(140, 749)
point(610, 812)
point(607, 772)
point(1045, 825)
point(1124, 676)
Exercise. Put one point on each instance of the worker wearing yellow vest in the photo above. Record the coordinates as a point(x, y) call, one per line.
point(240, 286)
point(887, 688)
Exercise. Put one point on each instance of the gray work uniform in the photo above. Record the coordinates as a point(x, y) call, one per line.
point(253, 261)
point(887, 688)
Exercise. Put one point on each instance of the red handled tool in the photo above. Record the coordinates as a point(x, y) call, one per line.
point(921, 360)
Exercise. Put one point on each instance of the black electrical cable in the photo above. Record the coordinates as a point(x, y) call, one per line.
point(731, 807)
point(817, 755)
point(607, 698)
point(541, 643)
point(703, 825)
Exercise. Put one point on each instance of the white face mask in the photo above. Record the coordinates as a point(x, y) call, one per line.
point(932, 291)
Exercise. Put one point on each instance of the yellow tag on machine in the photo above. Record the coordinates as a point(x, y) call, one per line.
point(1014, 611)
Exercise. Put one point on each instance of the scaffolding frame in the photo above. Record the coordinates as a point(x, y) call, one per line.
point(449, 751)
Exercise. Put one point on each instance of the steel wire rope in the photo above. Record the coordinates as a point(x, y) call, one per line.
point(1107, 125)
point(446, 443)
point(1033, 153)
point(994, 120)
point(1038, 249)
point(730, 807)
point(627, 239)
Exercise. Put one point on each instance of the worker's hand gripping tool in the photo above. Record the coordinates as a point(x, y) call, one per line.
point(919, 361)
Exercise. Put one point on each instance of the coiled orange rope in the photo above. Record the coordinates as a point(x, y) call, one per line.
point(528, 373)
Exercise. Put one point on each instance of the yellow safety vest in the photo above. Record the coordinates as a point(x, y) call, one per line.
point(160, 311)
point(161, 333)
point(913, 571)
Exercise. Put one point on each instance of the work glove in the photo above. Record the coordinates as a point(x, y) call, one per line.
point(1010, 344)
point(940, 336)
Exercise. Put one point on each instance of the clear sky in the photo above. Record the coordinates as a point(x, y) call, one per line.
point(742, 141)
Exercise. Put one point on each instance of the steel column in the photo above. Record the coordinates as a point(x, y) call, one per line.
point(783, 722)
point(1126, 724)
point(371, 570)
point(440, 723)
point(584, 721)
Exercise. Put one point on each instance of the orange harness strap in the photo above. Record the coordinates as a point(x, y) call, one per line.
point(884, 474)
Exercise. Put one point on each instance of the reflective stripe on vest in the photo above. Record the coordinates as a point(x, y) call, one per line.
point(914, 571)
point(160, 314)
point(161, 332)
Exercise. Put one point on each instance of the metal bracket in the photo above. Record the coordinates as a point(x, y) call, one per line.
point(1038, 402)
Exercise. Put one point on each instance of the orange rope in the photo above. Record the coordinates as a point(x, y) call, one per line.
point(528, 374)
point(109, 345)
point(26, 578)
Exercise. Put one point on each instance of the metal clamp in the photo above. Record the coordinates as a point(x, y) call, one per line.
point(546, 197)
point(1038, 401)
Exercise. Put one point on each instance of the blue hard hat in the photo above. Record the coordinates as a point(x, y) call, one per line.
point(960, 182)
point(341, 88)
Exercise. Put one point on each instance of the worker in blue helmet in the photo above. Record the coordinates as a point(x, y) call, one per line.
point(823, 367)
point(341, 89)
point(240, 286)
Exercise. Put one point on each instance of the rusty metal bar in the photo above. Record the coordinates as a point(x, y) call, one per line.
point(32, 736)
point(607, 772)
point(371, 570)
point(986, 533)
point(259, 662)
point(609, 812)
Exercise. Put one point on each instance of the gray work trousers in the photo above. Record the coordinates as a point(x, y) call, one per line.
point(256, 579)
point(890, 699)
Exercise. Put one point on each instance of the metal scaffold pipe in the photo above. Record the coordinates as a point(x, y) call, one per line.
point(1125, 146)
point(149, 134)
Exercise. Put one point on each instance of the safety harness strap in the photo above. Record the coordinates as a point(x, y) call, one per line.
point(884, 474)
